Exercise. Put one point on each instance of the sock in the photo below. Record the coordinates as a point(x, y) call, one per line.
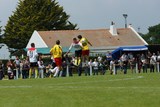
point(54, 70)
point(36, 72)
point(56, 73)
point(30, 72)
point(77, 61)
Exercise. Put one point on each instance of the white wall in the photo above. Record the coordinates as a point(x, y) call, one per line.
point(4, 52)
point(37, 40)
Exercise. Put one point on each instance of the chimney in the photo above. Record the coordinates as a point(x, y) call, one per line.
point(113, 29)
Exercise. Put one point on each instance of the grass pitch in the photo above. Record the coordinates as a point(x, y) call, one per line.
point(131, 90)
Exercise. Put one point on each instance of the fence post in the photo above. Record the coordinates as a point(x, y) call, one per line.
point(114, 69)
point(17, 73)
point(67, 71)
point(136, 67)
point(90, 68)
point(157, 66)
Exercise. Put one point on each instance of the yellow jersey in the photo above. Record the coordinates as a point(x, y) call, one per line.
point(56, 51)
point(84, 43)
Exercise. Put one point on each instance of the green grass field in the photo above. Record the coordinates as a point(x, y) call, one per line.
point(131, 90)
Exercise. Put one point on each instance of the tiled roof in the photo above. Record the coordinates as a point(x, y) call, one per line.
point(98, 37)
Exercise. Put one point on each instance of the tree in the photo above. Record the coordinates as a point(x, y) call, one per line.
point(0, 30)
point(0, 33)
point(153, 36)
point(33, 15)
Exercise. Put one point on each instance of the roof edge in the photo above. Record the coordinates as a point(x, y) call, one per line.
point(138, 35)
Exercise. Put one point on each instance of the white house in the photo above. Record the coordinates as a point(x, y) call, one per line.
point(103, 40)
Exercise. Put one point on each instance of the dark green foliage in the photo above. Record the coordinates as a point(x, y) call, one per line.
point(33, 15)
point(153, 37)
point(0, 30)
point(0, 33)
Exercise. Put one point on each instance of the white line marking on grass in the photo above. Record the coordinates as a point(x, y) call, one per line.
point(93, 87)
point(127, 79)
point(15, 86)
point(86, 82)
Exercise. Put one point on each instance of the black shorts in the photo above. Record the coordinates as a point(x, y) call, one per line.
point(33, 64)
point(78, 53)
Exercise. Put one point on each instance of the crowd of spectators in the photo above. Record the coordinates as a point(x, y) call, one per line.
point(137, 63)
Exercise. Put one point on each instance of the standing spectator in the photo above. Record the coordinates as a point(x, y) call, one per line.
point(56, 52)
point(101, 67)
point(125, 64)
point(17, 66)
point(124, 59)
point(10, 69)
point(132, 64)
point(90, 64)
point(111, 66)
point(77, 64)
point(158, 59)
point(41, 68)
point(70, 63)
point(144, 63)
point(139, 61)
point(105, 65)
point(131, 61)
point(1, 70)
point(155, 60)
point(25, 68)
point(120, 64)
point(108, 58)
point(99, 58)
point(21, 67)
point(148, 57)
point(116, 63)
point(71, 66)
point(152, 62)
point(95, 67)
point(33, 56)
point(130, 56)
point(64, 67)
point(86, 69)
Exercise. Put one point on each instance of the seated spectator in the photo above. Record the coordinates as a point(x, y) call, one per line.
point(1, 70)
point(10, 67)
point(41, 68)
point(25, 68)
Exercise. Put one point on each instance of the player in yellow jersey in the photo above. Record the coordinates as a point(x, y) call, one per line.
point(85, 48)
point(56, 52)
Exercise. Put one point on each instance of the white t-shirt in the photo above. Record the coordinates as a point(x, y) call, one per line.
point(95, 65)
point(77, 46)
point(90, 63)
point(40, 64)
point(32, 54)
point(17, 62)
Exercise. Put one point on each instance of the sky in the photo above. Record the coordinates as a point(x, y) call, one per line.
point(98, 14)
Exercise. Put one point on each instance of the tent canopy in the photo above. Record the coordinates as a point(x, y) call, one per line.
point(47, 50)
point(117, 52)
